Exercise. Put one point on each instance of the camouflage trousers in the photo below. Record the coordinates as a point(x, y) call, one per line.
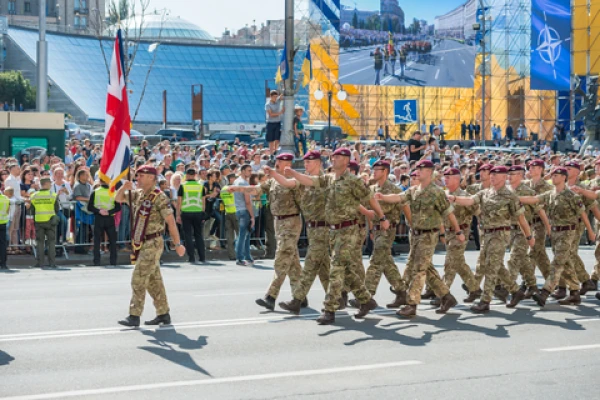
point(538, 256)
point(409, 272)
point(575, 262)
point(421, 268)
point(358, 267)
point(455, 263)
point(492, 264)
point(519, 261)
point(287, 259)
point(596, 273)
point(560, 268)
point(316, 262)
point(146, 277)
point(344, 270)
point(383, 262)
point(478, 267)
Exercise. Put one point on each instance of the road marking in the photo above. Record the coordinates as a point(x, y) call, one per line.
point(235, 294)
point(437, 74)
point(463, 61)
point(573, 348)
point(355, 72)
point(442, 59)
point(472, 78)
point(587, 320)
point(216, 381)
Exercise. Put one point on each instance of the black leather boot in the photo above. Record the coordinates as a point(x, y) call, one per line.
point(164, 319)
point(292, 306)
point(267, 302)
point(131, 320)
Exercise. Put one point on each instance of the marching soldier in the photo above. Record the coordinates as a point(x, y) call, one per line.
point(595, 185)
point(288, 226)
point(344, 195)
point(519, 261)
point(564, 208)
point(428, 208)
point(316, 262)
point(104, 207)
point(231, 223)
point(46, 208)
point(498, 207)
point(152, 211)
point(538, 256)
point(190, 214)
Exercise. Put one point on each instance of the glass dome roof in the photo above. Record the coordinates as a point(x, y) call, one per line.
point(174, 29)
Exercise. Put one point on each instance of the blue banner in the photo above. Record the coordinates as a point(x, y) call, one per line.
point(550, 44)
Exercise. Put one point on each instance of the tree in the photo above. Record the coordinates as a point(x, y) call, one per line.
point(14, 88)
point(355, 20)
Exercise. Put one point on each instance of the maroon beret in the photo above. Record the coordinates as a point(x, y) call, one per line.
point(573, 164)
point(425, 164)
point(146, 169)
point(560, 171)
point(537, 163)
point(516, 168)
point(342, 152)
point(382, 163)
point(312, 155)
point(285, 157)
point(486, 167)
point(414, 173)
point(500, 169)
point(451, 172)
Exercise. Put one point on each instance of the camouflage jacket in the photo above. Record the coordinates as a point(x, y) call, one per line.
point(428, 206)
point(392, 211)
point(283, 201)
point(562, 208)
point(498, 208)
point(344, 196)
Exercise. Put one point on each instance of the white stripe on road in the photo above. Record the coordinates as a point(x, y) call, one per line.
point(437, 74)
point(216, 381)
point(573, 348)
point(442, 59)
point(235, 294)
point(355, 72)
point(472, 78)
point(464, 62)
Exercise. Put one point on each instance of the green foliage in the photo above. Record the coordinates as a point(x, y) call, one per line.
point(13, 87)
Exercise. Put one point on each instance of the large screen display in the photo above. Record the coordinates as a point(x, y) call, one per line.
point(408, 42)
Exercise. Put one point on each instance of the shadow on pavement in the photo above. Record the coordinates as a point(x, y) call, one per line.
point(118, 267)
point(168, 341)
point(174, 266)
point(57, 269)
point(5, 358)
point(261, 267)
point(9, 271)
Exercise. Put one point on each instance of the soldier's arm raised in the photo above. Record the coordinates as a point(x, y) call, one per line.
point(305, 180)
point(282, 180)
point(390, 198)
point(120, 195)
point(529, 199)
point(255, 189)
point(461, 201)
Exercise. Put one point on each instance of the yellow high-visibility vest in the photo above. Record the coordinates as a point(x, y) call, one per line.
point(4, 208)
point(192, 197)
point(228, 201)
point(43, 201)
point(103, 200)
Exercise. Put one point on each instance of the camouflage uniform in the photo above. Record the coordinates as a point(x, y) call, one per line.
point(498, 208)
point(575, 262)
point(312, 203)
point(519, 261)
point(538, 256)
point(146, 274)
point(455, 250)
point(563, 209)
point(595, 185)
point(344, 195)
point(474, 189)
point(381, 259)
point(288, 226)
point(428, 207)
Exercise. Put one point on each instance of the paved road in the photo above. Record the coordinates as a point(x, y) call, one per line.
point(453, 66)
point(59, 339)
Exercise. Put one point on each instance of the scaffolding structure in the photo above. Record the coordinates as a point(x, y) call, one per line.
point(508, 97)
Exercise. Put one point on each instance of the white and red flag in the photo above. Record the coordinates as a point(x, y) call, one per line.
point(117, 144)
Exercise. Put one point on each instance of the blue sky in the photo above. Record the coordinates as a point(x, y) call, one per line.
point(421, 9)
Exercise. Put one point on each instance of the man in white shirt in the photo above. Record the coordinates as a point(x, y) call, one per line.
point(63, 189)
point(14, 181)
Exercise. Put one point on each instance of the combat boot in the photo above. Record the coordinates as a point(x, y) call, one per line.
point(408, 311)
point(327, 318)
point(131, 320)
point(574, 299)
point(598, 295)
point(365, 308)
point(343, 301)
point(541, 297)
point(501, 293)
point(560, 293)
point(531, 290)
point(292, 306)
point(473, 296)
point(448, 301)
point(428, 295)
point(267, 302)
point(465, 288)
point(481, 308)
point(164, 319)
point(587, 286)
point(399, 301)
point(516, 298)
point(304, 303)
point(354, 303)
point(436, 302)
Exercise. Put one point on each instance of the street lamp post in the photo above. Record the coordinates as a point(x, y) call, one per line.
point(341, 96)
point(42, 62)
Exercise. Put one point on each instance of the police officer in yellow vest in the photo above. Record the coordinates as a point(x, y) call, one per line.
point(104, 208)
point(231, 223)
point(46, 207)
point(4, 209)
point(190, 213)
